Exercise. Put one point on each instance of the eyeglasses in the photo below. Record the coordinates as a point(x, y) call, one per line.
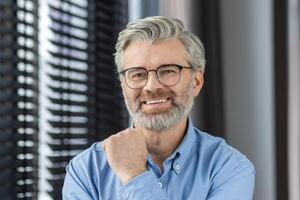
point(167, 75)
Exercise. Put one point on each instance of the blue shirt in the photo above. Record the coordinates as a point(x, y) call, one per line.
point(203, 167)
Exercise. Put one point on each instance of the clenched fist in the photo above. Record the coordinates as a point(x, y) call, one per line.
point(126, 153)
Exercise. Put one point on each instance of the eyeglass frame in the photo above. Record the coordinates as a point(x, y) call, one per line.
point(154, 70)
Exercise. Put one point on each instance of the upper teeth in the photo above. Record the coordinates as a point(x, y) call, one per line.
point(156, 101)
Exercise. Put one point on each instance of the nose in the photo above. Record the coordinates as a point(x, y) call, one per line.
point(152, 82)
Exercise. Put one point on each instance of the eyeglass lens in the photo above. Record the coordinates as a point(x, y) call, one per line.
point(167, 76)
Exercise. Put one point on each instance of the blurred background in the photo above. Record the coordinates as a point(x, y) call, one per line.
point(59, 92)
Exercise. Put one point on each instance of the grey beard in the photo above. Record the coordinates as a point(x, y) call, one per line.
point(161, 121)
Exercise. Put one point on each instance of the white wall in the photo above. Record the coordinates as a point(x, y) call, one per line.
point(248, 82)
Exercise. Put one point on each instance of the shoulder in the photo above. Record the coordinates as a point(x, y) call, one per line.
point(88, 173)
point(89, 160)
point(94, 149)
point(223, 161)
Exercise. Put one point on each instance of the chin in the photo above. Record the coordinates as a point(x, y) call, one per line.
point(155, 112)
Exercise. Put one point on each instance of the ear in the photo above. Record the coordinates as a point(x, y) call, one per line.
point(198, 82)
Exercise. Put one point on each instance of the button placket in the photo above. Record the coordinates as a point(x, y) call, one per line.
point(160, 184)
point(177, 167)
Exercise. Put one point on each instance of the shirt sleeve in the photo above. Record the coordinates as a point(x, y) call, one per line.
point(235, 183)
point(144, 186)
point(74, 188)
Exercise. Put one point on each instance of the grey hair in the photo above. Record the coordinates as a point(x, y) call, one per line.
point(159, 28)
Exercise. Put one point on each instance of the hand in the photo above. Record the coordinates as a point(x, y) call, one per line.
point(126, 153)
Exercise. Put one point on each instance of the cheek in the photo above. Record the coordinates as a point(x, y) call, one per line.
point(186, 88)
point(129, 94)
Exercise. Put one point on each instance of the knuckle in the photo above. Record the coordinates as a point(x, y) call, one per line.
point(110, 140)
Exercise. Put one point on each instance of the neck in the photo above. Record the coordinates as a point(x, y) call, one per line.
point(162, 144)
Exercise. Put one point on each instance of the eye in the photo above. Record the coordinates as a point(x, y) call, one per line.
point(137, 75)
point(168, 71)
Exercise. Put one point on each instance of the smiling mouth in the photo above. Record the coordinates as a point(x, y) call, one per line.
point(152, 102)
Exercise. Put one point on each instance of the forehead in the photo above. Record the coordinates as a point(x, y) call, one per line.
point(151, 55)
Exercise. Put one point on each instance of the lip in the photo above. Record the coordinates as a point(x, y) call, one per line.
point(156, 105)
point(156, 101)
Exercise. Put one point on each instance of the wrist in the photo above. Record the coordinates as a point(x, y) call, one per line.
point(130, 175)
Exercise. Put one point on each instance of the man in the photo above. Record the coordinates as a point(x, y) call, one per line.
point(162, 156)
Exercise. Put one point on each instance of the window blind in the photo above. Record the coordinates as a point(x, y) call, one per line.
point(77, 88)
point(70, 117)
point(108, 18)
point(18, 99)
point(85, 101)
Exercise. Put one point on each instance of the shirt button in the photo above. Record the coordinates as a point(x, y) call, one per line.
point(160, 184)
point(177, 167)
